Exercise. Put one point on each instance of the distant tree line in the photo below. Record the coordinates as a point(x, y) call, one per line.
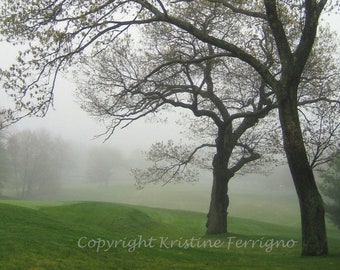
point(34, 164)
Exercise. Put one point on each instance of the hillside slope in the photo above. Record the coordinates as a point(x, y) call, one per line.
point(112, 236)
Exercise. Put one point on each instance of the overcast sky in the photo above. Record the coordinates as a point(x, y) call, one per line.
point(71, 123)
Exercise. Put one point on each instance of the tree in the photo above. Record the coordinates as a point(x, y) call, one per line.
point(62, 30)
point(331, 189)
point(123, 85)
point(37, 162)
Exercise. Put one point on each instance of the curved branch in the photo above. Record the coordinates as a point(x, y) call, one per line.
point(278, 32)
point(246, 12)
point(244, 160)
point(313, 11)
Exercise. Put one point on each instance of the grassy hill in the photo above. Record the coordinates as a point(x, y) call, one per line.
point(270, 206)
point(93, 235)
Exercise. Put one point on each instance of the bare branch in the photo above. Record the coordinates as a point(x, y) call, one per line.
point(170, 164)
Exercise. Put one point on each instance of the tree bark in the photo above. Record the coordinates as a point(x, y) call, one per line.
point(314, 239)
point(217, 216)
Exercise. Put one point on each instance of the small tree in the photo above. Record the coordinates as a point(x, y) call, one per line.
point(37, 161)
point(330, 187)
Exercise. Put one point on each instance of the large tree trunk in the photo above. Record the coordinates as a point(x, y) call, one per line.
point(314, 239)
point(217, 216)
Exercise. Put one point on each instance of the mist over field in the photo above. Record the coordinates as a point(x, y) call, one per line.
point(269, 197)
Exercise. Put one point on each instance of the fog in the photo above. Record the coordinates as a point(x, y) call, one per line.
point(67, 121)
point(250, 194)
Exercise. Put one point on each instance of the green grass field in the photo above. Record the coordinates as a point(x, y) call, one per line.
point(97, 235)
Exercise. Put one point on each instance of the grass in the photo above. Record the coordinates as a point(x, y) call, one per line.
point(252, 204)
point(48, 235)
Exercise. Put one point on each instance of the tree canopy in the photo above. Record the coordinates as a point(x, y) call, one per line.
point(58, 32)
